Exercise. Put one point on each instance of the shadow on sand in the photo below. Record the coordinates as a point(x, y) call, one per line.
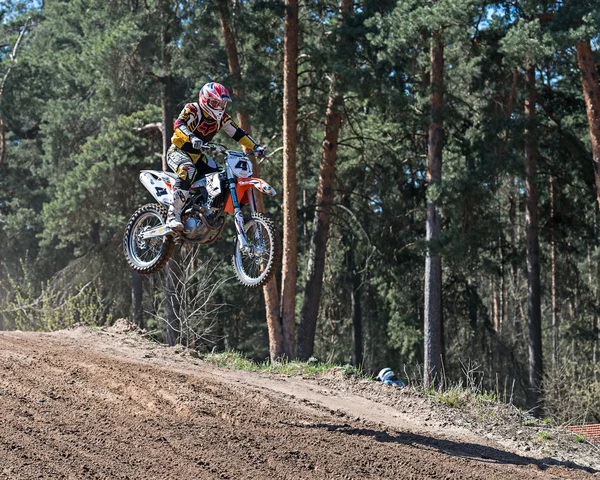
point(456, 449)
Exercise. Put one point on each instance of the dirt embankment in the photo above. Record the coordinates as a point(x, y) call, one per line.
point(81, 404)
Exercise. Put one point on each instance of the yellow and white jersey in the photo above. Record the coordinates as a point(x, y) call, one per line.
point(196, 121)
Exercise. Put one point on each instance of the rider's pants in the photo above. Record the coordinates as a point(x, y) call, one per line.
point(185, 168)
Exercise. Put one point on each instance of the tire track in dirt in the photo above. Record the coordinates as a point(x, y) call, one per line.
point(80, 404)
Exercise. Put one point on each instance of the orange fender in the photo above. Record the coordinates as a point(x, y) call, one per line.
point(242, 187)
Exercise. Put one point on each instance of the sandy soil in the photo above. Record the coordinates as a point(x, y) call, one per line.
point(82, 404)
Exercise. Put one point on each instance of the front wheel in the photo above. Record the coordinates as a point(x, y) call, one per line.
point(255, 267)
point(147, 255)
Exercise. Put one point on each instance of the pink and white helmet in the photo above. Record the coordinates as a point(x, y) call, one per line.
point(213, 98)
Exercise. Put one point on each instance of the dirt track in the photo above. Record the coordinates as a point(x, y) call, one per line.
point(82, 404)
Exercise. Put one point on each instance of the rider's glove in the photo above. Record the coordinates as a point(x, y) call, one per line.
point(197, 143)
point(260, 151)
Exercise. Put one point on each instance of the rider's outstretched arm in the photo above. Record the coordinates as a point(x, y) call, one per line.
point(238, 134)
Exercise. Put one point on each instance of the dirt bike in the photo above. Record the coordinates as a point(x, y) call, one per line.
point(149, 242)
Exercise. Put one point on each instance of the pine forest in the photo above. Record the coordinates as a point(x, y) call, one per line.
point(436, 163)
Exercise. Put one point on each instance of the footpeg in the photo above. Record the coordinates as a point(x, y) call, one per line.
point(158, 232)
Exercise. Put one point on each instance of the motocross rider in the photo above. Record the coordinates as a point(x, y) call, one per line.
point(196, 126)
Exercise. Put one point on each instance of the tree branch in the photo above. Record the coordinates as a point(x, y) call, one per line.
point(13, 60)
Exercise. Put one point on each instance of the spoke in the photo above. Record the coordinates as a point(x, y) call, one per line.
point(144, 251)
point(254, 263)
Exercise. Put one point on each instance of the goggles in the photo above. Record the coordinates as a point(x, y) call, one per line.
point(217, 104)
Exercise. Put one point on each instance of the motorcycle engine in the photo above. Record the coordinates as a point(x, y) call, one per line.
point(200, 228)
point(194, 228)
point(204, 220)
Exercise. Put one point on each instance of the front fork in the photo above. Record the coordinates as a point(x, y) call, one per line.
point(237, 211)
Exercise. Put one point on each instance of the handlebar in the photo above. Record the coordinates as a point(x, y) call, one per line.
point(217, 147)
point(269, 155)
point(213, 146)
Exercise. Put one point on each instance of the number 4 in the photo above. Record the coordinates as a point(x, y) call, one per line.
point(242, 165)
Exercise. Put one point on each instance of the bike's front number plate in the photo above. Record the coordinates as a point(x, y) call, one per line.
point(240, 165)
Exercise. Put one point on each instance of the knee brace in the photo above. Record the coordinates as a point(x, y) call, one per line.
point(181, 163)
point(186, 172)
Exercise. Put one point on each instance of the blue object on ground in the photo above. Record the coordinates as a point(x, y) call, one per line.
point(388, 377)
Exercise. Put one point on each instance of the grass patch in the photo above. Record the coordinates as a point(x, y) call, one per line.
point(487, 397)
point(544, 436)
point(457, 396)
point(237, 361)
point(453, 397)
point(547, 421)
point(233, 360)
point(529, 423)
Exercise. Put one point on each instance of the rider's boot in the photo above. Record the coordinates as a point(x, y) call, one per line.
point(174, 216)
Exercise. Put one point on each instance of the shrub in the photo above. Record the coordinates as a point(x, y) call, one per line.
point(572, 393)
point(58, 306)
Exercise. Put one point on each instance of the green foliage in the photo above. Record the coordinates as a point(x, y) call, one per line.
point(572, 393)
point(55, 308)
point(231, 359)
point(459, 396)
point(526, 44)
point(237, 361)
point(105, 164)
point(90, 74)
point(453, 398)
point(487, 397)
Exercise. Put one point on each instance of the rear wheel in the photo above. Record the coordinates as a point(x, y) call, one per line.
point(255, 267)
point(147, 255)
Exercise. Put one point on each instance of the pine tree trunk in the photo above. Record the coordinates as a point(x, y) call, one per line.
point(591, 93)
point(290, 221)
point(173, 299)
point(472, 296)
point(495, 304)
point(596, 332)
point(136, 299)
point(511, 99)
point(12, 58)
point(233, 61)
point(274, 327)
point(502, 289)
point(555, 320)
point(2, 141)
point(596, 326)
point(505, 303)
point(304, 221)
point(534, 313)
point(355, 299)
point(516, 312)
point(433, 261)
point(320, 232)
point(166, 81)
point(220, 335)
point(372, 354)
point(167, 116)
